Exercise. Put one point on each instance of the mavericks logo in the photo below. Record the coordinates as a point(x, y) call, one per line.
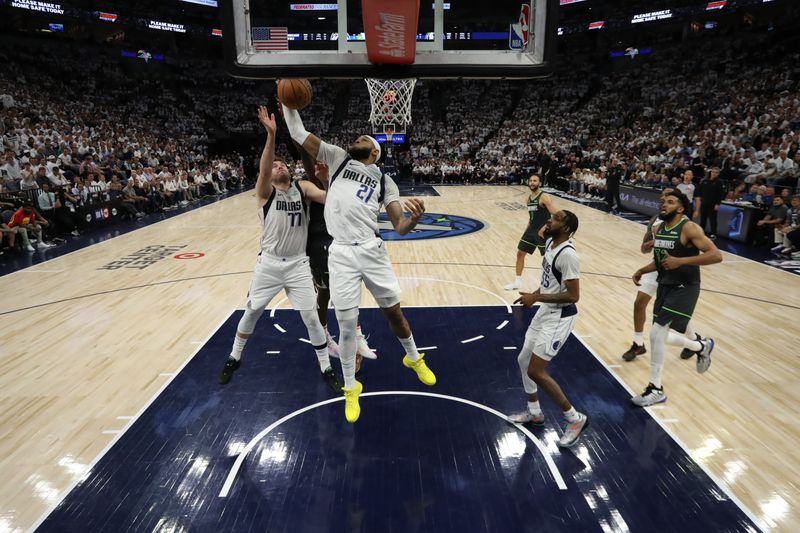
point(431, 226)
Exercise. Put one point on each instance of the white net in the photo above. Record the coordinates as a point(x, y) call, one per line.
point(391, 104)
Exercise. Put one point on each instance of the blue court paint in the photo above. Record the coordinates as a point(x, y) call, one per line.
point(409, 463)
point(431, 226)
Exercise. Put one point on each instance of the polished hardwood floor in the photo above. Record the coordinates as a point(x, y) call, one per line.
point(84, 348)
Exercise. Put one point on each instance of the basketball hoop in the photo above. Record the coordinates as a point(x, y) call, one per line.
point(390, 104)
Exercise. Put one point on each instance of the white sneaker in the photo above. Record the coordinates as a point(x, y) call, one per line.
point(30, 248)
point(573, 431)
point(526, 417)
point(512, 286)
point(363, 348)
point(704, 355)
point(651, 396)
point(43, 245)
point(333, 348)
point(777, 248)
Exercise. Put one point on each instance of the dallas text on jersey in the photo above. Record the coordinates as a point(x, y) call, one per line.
point(359, 177)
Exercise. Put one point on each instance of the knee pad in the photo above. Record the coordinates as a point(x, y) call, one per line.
point(524, 360)
point(248, 321)
point(348, 321)
point(309, 316)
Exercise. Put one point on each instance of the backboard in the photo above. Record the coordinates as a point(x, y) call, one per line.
point(455, 39)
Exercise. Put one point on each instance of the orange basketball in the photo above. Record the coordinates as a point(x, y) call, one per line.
point(295, 94)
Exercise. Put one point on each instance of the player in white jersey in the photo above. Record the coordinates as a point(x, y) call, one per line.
point(282, 263)
point(557, 295)
point(646, 291)
point(357, 191)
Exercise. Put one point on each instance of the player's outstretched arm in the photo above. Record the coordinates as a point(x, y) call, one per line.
point(308, 162)
point(401, 224)
point(264, 181)
point(308, 141)
point(312, 192)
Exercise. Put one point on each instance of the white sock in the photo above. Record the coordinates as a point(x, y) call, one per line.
point(638, 338)
point(410, 347)
point(358, 331)
point(238, 346)
point(518, 281)
point(533, 408)
point(689, 331)
point(572, 415)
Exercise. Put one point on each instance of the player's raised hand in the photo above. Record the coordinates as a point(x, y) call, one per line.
point(267, 120)
point(416, 208)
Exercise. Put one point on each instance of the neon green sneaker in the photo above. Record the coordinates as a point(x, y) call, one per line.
point(351, 408)
point(423, 372)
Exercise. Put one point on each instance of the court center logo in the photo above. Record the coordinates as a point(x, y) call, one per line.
point(431, 226)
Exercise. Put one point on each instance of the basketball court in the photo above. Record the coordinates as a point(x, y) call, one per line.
point(113, 418)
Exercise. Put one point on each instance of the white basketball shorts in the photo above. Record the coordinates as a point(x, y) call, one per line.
point(550, 329)
point(648, 282)
point(350, 264)
point(275, 273)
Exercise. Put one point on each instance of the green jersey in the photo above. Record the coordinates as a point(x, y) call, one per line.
point(668, 241)
point(538, 214)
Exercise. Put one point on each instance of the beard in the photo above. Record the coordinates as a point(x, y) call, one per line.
point(667, 216)
point(548, 232)
point(533, 188)
point(359, 153)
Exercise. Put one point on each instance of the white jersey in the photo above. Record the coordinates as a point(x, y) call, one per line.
point(558, 265)
point(284, 222)
point(355, 196)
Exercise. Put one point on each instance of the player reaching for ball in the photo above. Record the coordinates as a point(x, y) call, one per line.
point(357, 190)
point(282, 263)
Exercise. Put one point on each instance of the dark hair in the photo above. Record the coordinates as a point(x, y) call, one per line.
point(570, 220)
point(682, 198)
point(278, 159)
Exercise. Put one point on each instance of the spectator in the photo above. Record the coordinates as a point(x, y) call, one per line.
point(776, 218)
point(787, 234)
point(55, 212)
point(26, 220)
point(710, 197)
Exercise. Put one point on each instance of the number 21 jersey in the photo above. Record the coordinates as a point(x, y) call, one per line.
point(356, 193)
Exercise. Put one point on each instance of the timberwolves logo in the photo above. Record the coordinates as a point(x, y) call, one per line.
point(431, 226)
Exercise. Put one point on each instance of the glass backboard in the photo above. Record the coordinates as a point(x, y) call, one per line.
point(455, 39)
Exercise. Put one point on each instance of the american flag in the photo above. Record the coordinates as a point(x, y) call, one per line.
point(270, 38)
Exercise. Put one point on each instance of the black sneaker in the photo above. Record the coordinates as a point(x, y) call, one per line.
point(329, 376)
point(231, 365)
point(686, 353)
point(633, 351)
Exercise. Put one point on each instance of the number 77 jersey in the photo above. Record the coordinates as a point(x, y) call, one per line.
point(284, 222)
point(356, 193)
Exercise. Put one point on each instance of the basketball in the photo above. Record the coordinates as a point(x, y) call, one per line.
point(295, 94)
